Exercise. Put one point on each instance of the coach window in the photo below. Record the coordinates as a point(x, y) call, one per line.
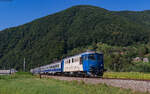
point(72, 60)
point(69, 60)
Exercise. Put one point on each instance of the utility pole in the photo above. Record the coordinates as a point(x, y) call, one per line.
point(24, 65)
point(39, 70)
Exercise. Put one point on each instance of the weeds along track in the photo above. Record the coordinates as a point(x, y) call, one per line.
point(134, 84)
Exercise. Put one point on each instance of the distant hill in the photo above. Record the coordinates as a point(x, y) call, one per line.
point(49, 38)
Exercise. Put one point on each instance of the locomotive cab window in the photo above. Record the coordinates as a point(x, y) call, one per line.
point(100, 57)
point(91, 57)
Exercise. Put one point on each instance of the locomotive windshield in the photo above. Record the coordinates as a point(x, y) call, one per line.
point(100, 57)
point(91, 57)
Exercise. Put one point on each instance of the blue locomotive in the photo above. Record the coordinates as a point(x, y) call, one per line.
point(88, 63)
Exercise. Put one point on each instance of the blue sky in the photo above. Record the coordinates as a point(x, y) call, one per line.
point(18, 12)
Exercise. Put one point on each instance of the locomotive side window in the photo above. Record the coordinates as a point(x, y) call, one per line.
point(69, 60)
point(66, 62)
point(75, 59)
point(85, 57)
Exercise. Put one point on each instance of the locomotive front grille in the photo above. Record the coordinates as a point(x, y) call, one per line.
point(96, 70)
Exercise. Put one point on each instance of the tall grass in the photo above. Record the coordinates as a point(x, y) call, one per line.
point(19, 75)
point(127, 75)
point(27, 84)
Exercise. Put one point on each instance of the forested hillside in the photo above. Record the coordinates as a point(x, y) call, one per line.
point(143, 17)
point(53, 37)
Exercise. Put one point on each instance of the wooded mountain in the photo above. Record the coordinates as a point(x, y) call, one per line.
point(50, 38)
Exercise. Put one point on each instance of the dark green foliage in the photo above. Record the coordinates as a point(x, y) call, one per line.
point(65, 33)
point(140, 67)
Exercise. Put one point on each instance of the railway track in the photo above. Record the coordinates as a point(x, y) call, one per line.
point(133, 84)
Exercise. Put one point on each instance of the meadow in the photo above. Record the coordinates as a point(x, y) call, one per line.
point(127, 75)
point(24, 83)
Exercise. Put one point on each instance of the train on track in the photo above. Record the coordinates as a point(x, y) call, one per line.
point(88, 64)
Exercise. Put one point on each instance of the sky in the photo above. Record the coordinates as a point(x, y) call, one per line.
point(18, 12)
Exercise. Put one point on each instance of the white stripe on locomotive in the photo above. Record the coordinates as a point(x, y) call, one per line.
point(73, 64)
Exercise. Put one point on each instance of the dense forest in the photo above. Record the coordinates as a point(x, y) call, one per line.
point(72, 31)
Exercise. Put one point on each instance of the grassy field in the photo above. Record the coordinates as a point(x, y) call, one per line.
point(127, 75)
point(24, 83)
